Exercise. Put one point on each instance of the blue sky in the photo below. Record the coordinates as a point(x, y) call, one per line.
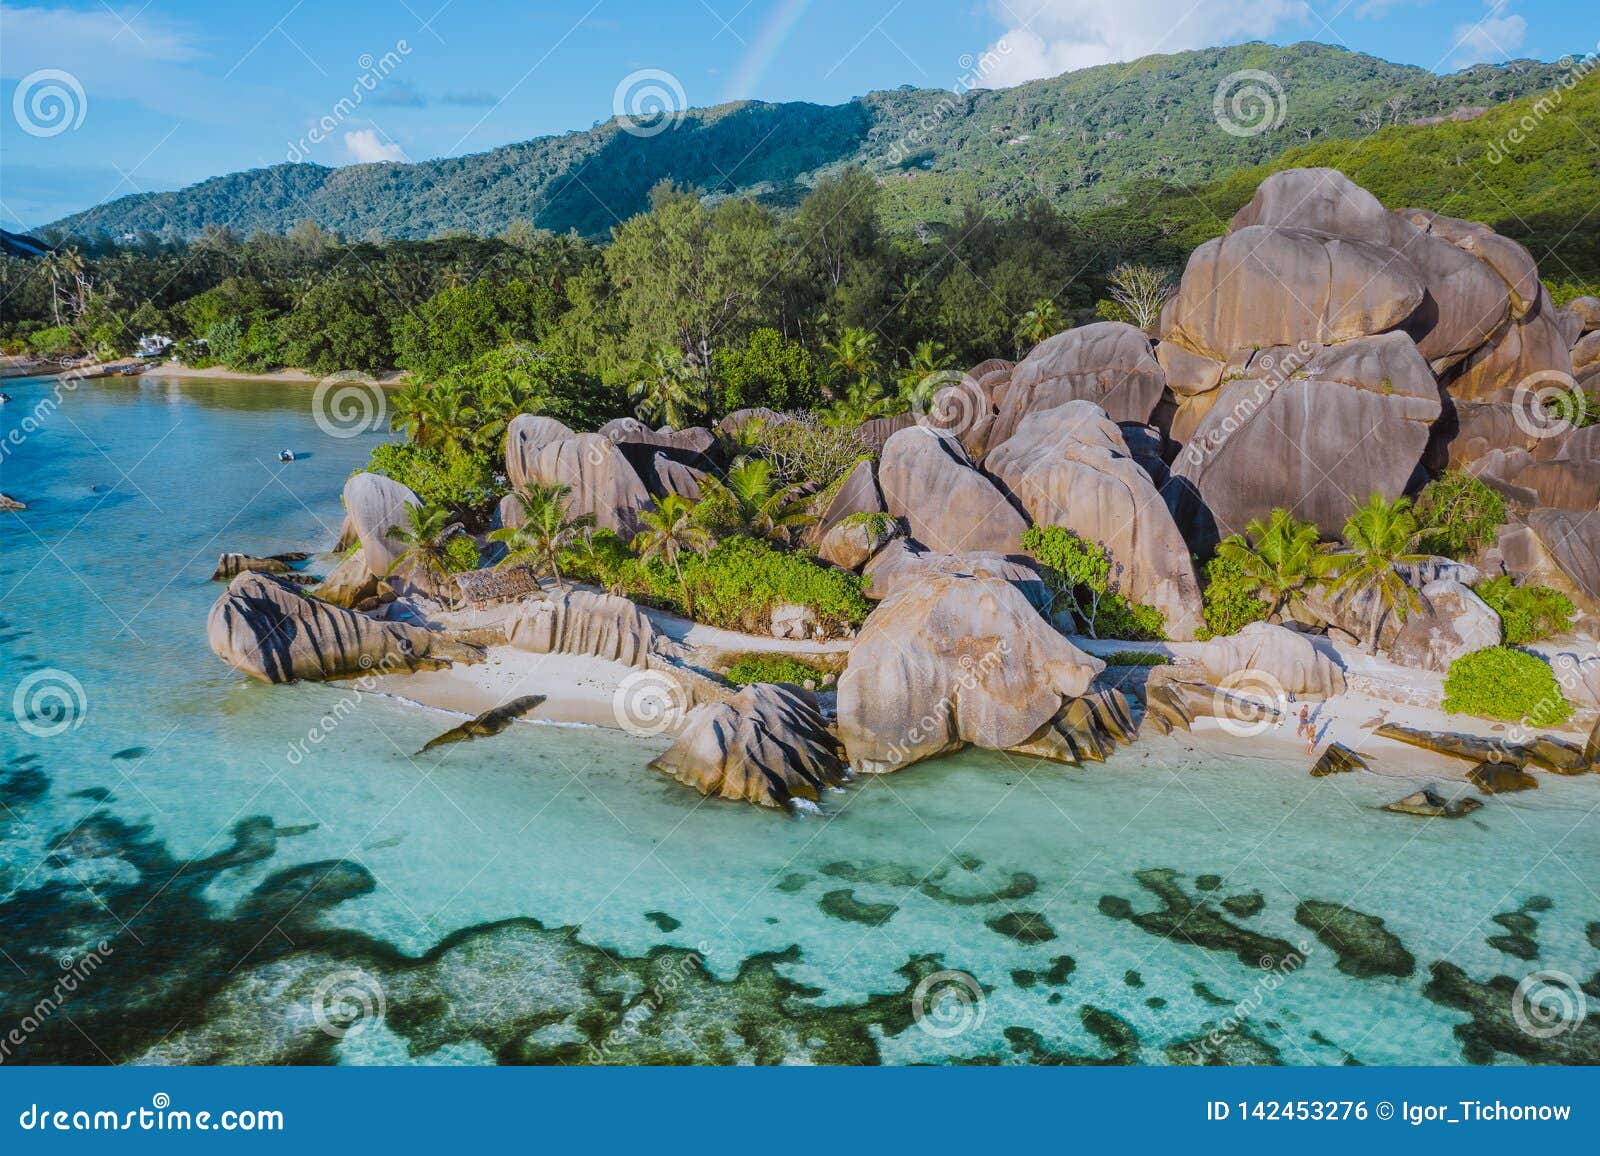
point(173, 91)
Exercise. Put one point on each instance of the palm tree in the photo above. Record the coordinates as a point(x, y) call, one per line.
point(425, 533)
point(408, 411)
point(1277, 557)
point(669, 530)
point(451, 415)
point(1041, 320)
point(854, 353)
point(762, 507)
point(1377, 537)
point(53, 269)
point(927, 359)
point(664, 390)
point(546, 529)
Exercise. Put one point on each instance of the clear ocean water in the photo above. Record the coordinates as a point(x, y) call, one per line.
point(541, 896)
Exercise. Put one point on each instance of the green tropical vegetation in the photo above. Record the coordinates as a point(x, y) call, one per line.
point(546, 528)
point(1503, 683)
point(748, 668)
point(1528, 613)
point(1458, 515)
point(1377, 537)
point(1275, 559)
point(1082, 578)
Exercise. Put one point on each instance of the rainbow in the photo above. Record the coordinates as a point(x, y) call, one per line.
point(760, 52)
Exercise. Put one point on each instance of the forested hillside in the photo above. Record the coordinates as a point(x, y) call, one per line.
point(1074, 140)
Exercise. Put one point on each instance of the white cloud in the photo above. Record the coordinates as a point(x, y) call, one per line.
point(1046, 37)
point(364, 147)
point(101, 38)
point(1494, 38)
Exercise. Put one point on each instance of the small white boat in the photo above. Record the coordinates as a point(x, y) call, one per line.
point(286, 455)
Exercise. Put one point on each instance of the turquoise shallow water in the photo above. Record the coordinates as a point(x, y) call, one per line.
point(537, 896)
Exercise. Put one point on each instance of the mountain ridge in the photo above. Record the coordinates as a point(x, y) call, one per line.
point(1073, 139)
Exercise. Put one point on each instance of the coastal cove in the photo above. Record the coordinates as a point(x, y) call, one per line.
point(543, 896)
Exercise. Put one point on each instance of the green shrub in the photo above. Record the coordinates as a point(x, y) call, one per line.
point(1503, 683)
point(748, 668)
point(460, 554)
point(54, 341)
point(880, 525)
point(452, 477)
point(1458, 514)
point(1079, 574)
point(1527, 613)
point(1136, 658)
point(1228, 603)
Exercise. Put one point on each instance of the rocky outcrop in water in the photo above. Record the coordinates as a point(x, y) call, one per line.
point(266, 628)
point(767, 744)
point(490, 722)
point(1429, 804)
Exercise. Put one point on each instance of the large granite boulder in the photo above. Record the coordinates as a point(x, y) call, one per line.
point(630, 430)
point(951, 660)
point(1587, 312)
point(1559, 548)
point(1450, 621)
point(851, 543)
point(768, 745)
point(876, 432)
point(265, 627)
point(1262, 285)
point(1069, 466)
point(1275, 655)
point(899, 564)
point(526, 435)
point(584, 622)
point(927, 479)
point(857, 494)
point(1529, 349)
point(1349, 420)
point(373, 506)
point(1107, 363)
point(601, 480)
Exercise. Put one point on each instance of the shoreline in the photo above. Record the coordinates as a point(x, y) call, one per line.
point(178, 371)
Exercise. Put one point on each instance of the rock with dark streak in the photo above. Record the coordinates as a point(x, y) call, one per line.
point(490, 722)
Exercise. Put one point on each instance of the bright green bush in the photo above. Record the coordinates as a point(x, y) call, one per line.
point(1527, 613)
point(1228, 604)
point(748, 668)
point(1079, 574)
point(1458, 514)
point(1503, 683)
point(451, 477)
point(460, 554)
point(54, 341)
